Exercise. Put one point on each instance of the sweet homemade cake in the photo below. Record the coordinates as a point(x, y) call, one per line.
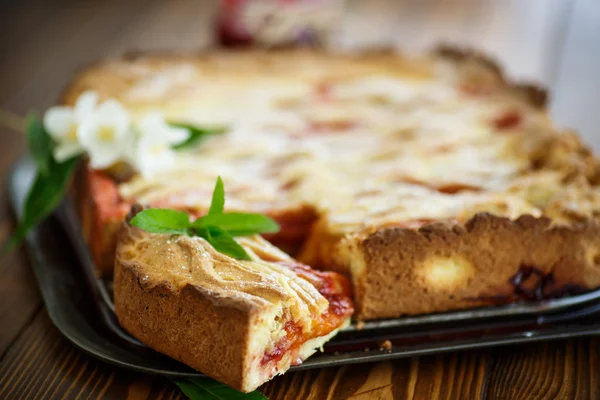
point(240, 322)
point(432, 182)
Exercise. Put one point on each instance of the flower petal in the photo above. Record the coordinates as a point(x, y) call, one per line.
point(85, 105)
point(150, 123)
point(148, 162)
point(155, 129)
point(128, 147)
point(58, 121)
point(112, 113)
point(66, 150)
point(177, 135)
point(86, 132)
point(103, 156)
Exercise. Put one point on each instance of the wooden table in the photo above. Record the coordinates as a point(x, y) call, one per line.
point(43, 42)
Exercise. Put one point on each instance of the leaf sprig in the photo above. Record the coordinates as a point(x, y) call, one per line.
point(197, 135)
point(52, 178)
point(40, 144)
point(49, 185)
point(208, 389)
point(217, 227)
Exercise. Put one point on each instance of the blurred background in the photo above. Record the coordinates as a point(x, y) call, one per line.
point(552, 42)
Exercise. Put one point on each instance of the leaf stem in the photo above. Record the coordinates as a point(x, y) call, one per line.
point(12, 121)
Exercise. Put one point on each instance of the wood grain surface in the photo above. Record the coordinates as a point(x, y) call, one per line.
point(43, 42)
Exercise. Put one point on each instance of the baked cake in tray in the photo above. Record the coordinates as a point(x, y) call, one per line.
point(432, 182)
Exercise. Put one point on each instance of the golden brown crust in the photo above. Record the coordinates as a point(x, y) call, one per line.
point(100, 75)
point(489, 260)
point(536, 95)
point(463, 54)
point(184, 324)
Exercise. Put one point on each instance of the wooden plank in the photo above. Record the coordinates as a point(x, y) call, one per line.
point(42, 364)
point(555, 370)
point(21, 20)
point(90, 28)
point(177, 25)
point(447, 376)
point(19, 293)
point(46, 35)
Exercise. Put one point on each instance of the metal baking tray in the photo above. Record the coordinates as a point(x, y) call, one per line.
point(80, 305)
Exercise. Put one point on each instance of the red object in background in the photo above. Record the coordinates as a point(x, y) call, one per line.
point(275, 22)
point(230, 27)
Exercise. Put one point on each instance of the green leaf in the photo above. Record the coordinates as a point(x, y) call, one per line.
point(45, 194)
point(218, 198)
point(161, 220)
point(192, 391)
point(216, 227)
point(47, 191)
point(238, 224)
point(40, 143)
point(197, 135)
point(224, 243)
point(209, 389)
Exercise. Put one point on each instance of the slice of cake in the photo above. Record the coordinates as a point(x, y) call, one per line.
point(240, 322)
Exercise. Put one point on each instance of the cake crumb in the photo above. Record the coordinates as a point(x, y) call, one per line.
point(385, 345)
point(360, 325)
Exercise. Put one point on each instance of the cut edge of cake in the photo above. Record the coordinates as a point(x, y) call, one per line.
point(242, 338)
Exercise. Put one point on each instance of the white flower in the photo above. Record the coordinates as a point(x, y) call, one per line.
point(153, 127)
point(106, 134)
point(62, 124)
point(153, 151)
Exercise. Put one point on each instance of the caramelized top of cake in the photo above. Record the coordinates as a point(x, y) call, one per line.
point(366, 141)
point(270, 280)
